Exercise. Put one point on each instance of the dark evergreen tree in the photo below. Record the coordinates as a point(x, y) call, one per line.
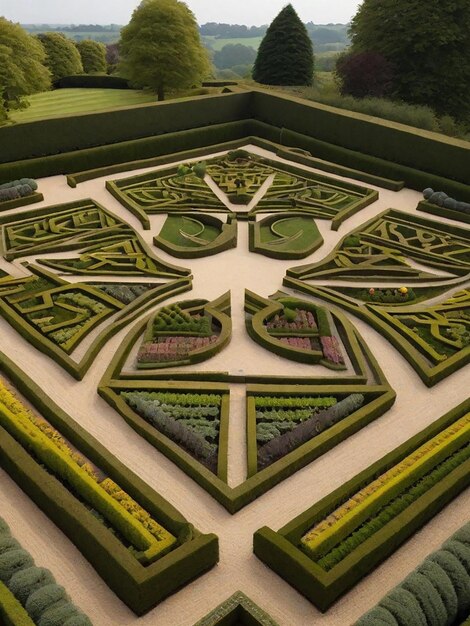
point(285, 56)
point(428, 43)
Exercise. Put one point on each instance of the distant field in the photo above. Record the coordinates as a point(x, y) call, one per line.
point(70, 101)
point(218, 44)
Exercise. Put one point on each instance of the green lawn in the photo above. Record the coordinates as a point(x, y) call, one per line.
point(70, 101)
point(218, 44)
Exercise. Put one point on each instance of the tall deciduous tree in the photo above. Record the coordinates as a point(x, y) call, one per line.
point(62, 56)
point(285, 56)
point(429, 45)
point(93, 55)
point(161, 47)
point(22, 69)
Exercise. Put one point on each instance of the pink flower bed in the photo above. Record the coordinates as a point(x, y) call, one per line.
point(297, 342)
point(331, 350)
point(165, 349)
point(304, 320)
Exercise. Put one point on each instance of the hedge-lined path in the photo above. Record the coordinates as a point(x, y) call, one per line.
point(415, 408)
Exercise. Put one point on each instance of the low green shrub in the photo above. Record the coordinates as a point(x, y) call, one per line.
point(437, 593)
point(57, 614)
point(92, 82)
point(13, 561)
point(412, 115)
point(44, 598)
point(7, 544)
point(458, 575)
point(27, 581)
point(404, 607)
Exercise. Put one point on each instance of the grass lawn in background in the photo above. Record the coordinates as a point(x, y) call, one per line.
point(71, 101)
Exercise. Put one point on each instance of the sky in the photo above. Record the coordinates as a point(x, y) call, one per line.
point(250, 12)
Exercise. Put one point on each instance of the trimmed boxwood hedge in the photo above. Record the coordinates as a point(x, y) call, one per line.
point(53, 136)
point(28, 594)
point(233, 499)
point(396, 143)
point(437, 592)
point(238, 610)
point(281, 552)
point(141, 588)
point(80, 368)
point(450, 214)
point(429, 373)
point(378, 147)
point(91, 81)
point(11, 611)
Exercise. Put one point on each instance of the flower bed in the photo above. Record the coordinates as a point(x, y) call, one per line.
point(280, 430)
point(303, 328)
point(327, 549)
point(142, 547)
point(190, 420)
point(145, 538)
point(183, 333)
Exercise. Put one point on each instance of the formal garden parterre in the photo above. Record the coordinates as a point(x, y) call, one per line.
point(84, 287)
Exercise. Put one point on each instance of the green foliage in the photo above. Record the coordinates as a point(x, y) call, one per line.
point(393, 509)
point(352, 241)
point(62, 56)
point(428, 43)
point(13, 561)
point(161, 48)
point(419, 116)
point(234, 54)
point(44, 598)
point(22, 70)
point(93, 56)
point(404, 607)
point(57, 614)
point(290, 314)
point(174, 319)
point(197, 432)
point(285, 56)
point(28, 580)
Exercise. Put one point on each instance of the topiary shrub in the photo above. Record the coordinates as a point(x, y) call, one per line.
point(428, 597)
point(457, 573)
point(404, 607)
point(57, 615)
point(47, 597)
point(443, 585)
point(442, 199)
point(13, 561)
point(8, 543)
point(27, 581)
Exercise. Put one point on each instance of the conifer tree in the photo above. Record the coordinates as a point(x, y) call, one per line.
point(285, 56)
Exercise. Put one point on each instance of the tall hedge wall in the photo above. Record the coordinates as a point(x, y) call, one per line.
point(418, 157)
point(421, 149)
point(58, 135)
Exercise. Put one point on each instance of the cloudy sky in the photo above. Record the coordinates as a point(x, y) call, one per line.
point(119, 11)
